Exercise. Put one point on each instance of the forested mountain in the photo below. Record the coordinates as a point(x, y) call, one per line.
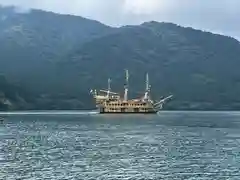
point(13, 97)
point(33, 41)
point(59, 58)
point(199, 68)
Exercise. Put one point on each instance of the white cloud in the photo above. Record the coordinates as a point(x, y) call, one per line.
point(143, 6)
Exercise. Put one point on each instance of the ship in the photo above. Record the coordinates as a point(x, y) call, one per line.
point(112, 102)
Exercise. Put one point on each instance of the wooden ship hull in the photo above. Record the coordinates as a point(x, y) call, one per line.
point(111, 112)
point(108, 102)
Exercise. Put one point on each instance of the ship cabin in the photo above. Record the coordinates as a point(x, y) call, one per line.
point(130, 106)
point(102, 98)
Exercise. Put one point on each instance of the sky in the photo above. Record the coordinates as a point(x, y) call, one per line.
point(219, 16)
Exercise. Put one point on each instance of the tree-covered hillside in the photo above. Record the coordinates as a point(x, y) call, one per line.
point(31, 43)
point(56, 59)
point(199, 68)
point(14, 97)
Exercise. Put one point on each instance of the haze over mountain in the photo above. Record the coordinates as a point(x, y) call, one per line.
point(57, 59)
point(39, 36)
point(221, 16)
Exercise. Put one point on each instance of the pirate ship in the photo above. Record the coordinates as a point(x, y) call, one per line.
point(111, 102)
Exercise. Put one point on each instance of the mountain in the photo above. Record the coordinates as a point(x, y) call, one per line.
point(30, 45)
point(14, 97)
point(32, 42)
point(199, 68)
point(57, 59)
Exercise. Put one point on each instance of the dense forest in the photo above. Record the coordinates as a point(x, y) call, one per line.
point(51, 61)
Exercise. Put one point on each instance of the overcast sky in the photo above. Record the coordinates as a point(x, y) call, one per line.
point(221, 16)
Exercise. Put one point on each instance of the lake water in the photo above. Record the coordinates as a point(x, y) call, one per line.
point(80, 145)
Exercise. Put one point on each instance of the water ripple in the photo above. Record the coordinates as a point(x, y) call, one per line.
point(96, 147)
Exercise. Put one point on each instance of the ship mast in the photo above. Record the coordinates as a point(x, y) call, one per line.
point(146, 95)
point(147, 82)
point(109, 87)
point(126, 86)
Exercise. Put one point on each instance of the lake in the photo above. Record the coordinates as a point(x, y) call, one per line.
point(83, 145)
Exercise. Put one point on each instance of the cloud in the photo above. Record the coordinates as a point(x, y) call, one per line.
point(143, 6)
point(220, 16)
